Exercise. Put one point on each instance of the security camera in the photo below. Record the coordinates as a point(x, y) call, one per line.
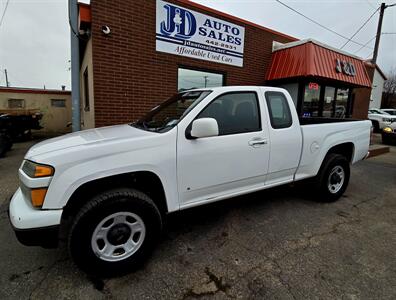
point(106, 30)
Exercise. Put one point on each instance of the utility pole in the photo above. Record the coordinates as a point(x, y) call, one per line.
point(6, 76)
point(206, 80)
point(75, 65)
point(377, 40)
point(378, 37)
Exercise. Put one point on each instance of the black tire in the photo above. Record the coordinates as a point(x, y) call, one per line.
point(3, 145)
point(326, 176)
point(98, 209)
point(376, 127)
point(8, 143)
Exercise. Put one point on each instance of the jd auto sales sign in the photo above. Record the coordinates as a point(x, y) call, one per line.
point(184, 32)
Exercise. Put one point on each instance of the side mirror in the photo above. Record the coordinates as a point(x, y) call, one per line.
point(204, 127)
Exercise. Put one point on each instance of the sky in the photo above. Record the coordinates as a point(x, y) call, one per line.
point(35, 36)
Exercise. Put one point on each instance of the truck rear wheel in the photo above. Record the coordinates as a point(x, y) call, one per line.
point(333, 178)
point(114, 232)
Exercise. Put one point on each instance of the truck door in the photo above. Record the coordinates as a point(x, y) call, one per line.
point(211, 168)
point(285, 135)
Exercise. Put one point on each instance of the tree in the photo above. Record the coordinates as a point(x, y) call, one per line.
point(389, 94)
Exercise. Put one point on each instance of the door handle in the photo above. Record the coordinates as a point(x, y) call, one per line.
point(258, 142)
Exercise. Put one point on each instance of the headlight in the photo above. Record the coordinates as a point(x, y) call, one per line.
point(35, 170)
point(387, 130)
point(386, 120)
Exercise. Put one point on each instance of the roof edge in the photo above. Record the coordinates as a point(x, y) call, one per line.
point(4, 89)
point(279, 46)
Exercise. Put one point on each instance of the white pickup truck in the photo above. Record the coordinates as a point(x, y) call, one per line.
point(106, 191)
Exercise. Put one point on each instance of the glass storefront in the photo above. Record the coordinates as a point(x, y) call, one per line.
point(325, 101)
point(341, 110)
point(328, 103)
point(311, 100)
point(191, 79)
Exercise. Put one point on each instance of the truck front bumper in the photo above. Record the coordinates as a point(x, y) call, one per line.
point(33, 227)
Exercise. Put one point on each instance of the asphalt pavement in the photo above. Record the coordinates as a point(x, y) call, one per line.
point(274, 244)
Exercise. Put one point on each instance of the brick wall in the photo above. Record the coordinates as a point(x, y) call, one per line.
point(130, 77)
point(362, 97)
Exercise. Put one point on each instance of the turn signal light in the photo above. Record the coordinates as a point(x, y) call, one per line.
point(37, 196)
point(35, 170)
point(43, 171)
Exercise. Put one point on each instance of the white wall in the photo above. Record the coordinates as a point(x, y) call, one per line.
point(377, 89)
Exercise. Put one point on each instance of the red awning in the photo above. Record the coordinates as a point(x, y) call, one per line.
point(311, 58)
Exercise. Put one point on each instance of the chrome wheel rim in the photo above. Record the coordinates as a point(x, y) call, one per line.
point(118, 236)
point(336, 179)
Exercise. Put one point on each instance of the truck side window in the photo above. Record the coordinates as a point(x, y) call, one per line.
point(279, 110)
point(234, 112)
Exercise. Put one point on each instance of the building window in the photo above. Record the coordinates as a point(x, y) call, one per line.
point(16, 103)
point(234, 113)
point(86, 90)
point(311, 100)
point(191, 79)
point(58, 102)
point(279, 111)
point(341, 109)
point(328, 103)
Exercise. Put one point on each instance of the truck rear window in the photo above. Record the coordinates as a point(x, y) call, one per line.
point(279, 110)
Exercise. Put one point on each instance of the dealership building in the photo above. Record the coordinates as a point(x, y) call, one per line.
point(135, 54)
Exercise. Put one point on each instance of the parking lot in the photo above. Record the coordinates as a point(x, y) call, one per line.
point(277, 244)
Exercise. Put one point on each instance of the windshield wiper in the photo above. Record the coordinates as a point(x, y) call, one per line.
point(141, 124)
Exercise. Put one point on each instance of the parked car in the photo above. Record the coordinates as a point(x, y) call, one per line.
point(16, 125)
point(389, 136)
point(106, 191)
point(391, 111)
point(380, 119)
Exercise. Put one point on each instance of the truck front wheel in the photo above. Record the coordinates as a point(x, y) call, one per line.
point(114, 232)
point(333, 178)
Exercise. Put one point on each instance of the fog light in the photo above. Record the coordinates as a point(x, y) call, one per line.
point(37, 196)
point(387, 130)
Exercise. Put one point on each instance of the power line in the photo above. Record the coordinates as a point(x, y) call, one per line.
point(4, 12)
point(365, 44)
point(360, 28)
point(368, 2)
point(317, 23)
point(382, 33)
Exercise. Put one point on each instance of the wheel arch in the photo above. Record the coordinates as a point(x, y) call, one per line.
point(145, 181)
point(345, 149)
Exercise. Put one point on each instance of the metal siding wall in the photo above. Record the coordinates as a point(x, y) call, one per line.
point(313, 60)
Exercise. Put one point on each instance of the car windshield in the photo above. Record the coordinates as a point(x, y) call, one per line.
point(385, 112)
point(377, 111)
point(168, 114)
point(391, 111)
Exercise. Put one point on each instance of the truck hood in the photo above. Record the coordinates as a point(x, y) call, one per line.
point(87, 137)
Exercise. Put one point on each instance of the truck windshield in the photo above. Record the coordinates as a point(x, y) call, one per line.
point(166, 115)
